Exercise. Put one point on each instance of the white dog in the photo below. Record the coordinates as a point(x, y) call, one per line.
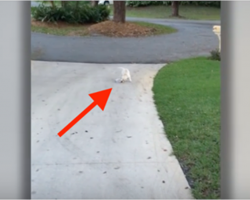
point(125, 75)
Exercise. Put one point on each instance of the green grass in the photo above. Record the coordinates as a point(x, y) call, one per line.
point(164, 12)
point(187, 96)
point(65, 31)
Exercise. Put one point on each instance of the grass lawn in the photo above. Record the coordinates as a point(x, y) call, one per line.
point(61, 29)
point(187, 96)
point(189, 12)
point(65, 29)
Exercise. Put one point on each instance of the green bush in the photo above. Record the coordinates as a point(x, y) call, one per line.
point(194, 3)
point(202, 3)
point(215, 55)
point(71, 14)
point(146, 3)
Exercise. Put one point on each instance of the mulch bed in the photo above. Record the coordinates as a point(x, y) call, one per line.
point(127, 29)
point(106, 28)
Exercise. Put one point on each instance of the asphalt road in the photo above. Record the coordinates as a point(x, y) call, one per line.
point(119, 153)
point(193, 38)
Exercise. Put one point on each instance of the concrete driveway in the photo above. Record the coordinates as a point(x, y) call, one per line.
point(121, 152)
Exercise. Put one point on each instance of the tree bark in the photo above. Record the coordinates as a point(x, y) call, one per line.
point(175, 8)
point(94, 3)
point(119, 11)
point(64, 3)
point(77, 4)
point(52, 3)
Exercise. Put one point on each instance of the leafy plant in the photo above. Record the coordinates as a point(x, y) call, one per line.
point(145, 3)
point(215, 55)
point(83, 13)
point(193, 3)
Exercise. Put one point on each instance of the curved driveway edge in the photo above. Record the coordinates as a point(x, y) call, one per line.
point(194, 38)
point(121, 152)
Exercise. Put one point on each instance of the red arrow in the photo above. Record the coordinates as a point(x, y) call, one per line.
point(100, 98)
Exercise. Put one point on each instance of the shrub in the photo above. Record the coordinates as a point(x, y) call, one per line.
point(142, 3)
point(71, 14)
point(146, 3)
point(215, 55)
point(202, 3)
point(194, 3)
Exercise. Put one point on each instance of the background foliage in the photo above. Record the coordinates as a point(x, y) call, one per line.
point(71, 13)
point(193, 3)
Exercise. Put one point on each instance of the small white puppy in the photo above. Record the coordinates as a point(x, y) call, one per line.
point(125, 76)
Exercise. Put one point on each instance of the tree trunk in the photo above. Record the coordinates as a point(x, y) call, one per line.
point(119, 11)
point(77, 4)
point(175, 8)
point(94, 3)
point(52, 3)
point(64, 3)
